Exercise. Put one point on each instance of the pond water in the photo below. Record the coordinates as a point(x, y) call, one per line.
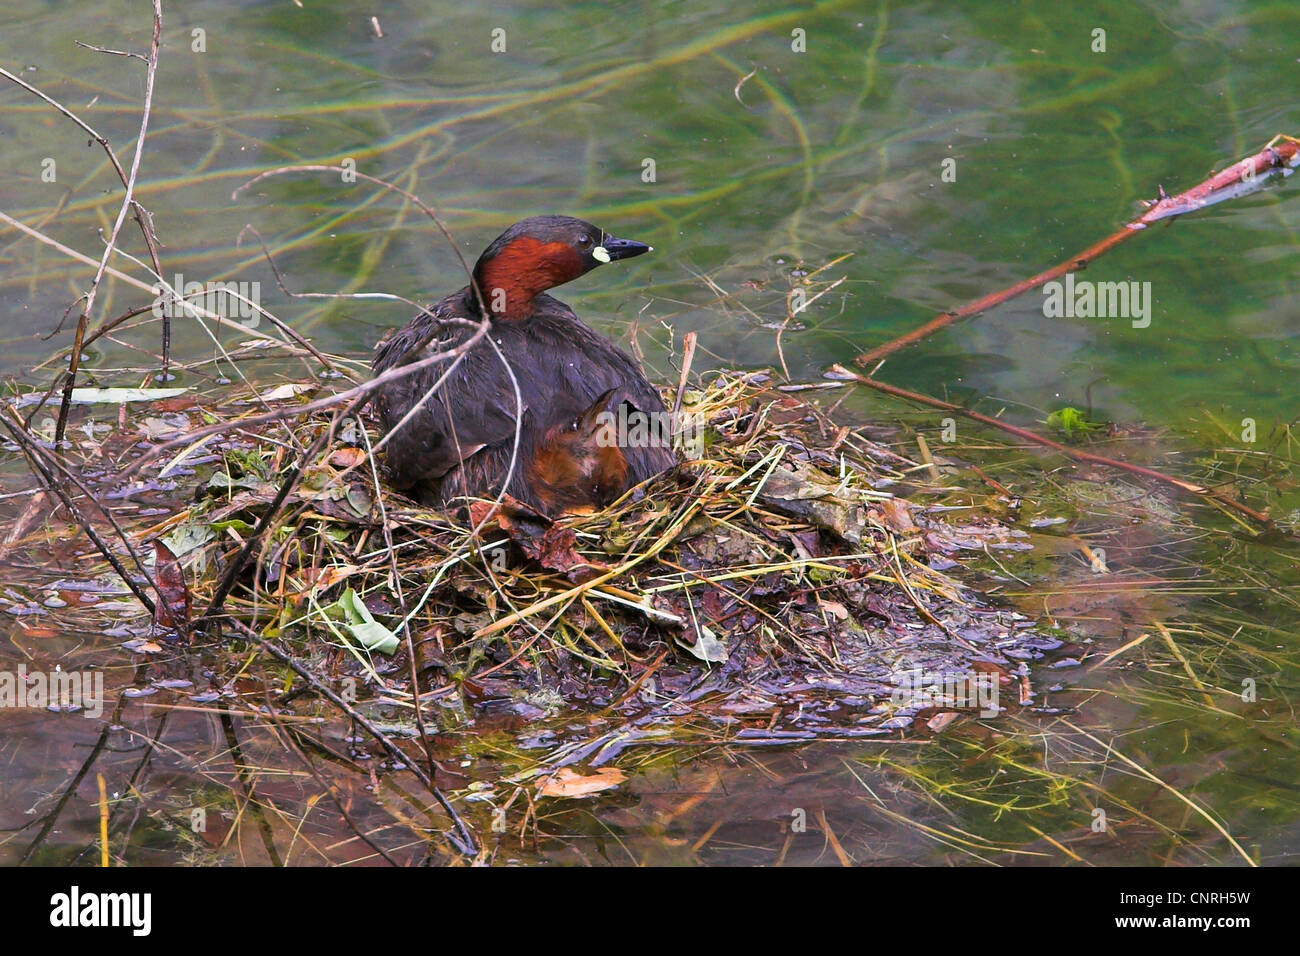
point(747, 148)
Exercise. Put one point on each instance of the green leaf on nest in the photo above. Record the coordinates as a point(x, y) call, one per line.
point(365, 630)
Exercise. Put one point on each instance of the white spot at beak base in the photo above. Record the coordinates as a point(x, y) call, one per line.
point(599, 254)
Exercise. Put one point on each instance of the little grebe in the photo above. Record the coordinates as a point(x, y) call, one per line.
point(461, 439)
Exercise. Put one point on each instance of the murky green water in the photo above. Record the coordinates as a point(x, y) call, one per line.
point(764, 157)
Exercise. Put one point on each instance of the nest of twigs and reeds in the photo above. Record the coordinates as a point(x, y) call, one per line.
point(787, 582)
point(775, 572)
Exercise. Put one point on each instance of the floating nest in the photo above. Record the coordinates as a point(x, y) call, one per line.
point(775, 587)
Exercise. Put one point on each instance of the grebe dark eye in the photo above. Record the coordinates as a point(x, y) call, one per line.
point(584, 241)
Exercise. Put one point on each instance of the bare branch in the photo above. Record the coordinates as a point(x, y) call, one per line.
point(78, 342)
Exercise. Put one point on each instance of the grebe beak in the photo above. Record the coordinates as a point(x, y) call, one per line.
point(612, 249)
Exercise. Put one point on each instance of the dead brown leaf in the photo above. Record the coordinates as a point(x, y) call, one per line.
point(347, 457)
point(172, 609)
point(566, 782)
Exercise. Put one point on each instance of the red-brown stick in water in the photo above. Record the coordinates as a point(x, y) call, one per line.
point(839, 371)
point(1280, 155)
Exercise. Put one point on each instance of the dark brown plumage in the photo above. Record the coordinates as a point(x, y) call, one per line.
point(460, 440)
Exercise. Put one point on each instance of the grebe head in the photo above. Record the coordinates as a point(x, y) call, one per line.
point(540, 253)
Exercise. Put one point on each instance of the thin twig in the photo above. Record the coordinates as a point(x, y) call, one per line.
point(136, 283)
point(33, 452)
point(328, 788)
point(688, 358)
point(410, 196)
point(463, 838)
point(272, 510)
point(128, 202)
point(100, 49)
point(1076, 453)
point(364, 390)
point(1281, 153)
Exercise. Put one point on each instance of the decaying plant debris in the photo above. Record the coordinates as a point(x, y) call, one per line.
point(772, 590)
point(769, 574)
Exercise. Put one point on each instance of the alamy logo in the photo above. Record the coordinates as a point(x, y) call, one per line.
point(240, 301)
point(57, 690)
point(1083, 299)
point(75, 908)
point(967, 690)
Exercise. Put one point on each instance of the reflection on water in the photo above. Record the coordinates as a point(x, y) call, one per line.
point(767, 162)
